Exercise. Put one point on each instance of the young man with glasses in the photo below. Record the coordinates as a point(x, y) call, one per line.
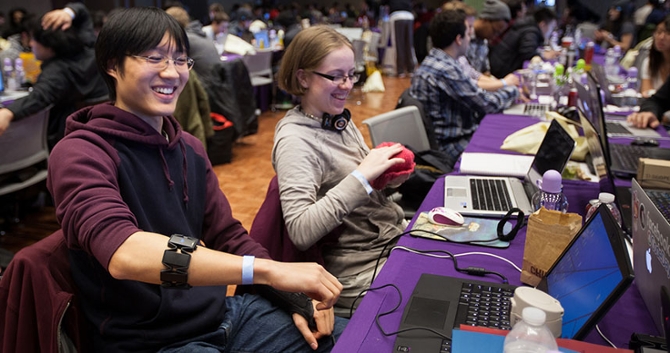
point(152, 239)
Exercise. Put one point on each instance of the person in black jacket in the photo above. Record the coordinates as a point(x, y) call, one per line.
point(522, 42)
point(652, 110)
point(69, 79)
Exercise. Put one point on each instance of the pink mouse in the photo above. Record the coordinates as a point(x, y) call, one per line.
point(445, 216)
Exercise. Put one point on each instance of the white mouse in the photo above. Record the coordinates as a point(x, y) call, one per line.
point(445, 216)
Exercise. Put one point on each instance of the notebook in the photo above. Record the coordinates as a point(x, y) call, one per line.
point(651, 255)
point(494, 196)
point(623, 159)
point(616, 125)
point(586, 283)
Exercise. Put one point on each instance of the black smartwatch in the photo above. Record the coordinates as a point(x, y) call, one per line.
point(176, 260)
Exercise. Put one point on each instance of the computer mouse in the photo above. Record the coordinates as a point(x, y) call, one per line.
point(445, 216)
point(644, 141)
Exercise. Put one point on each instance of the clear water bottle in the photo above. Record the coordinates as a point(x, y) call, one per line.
point(8, 74)
point(608, 199)
point(611, 63)
point(530, 335)
point(631, 80)
point(550, 193)
point(19, 72)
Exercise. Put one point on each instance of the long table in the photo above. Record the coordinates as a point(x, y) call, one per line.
point(403, 269)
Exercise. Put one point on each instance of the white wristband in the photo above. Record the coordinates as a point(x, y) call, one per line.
point(504, 82)
point(248, 269)
point(366, 184)
point(69, 12)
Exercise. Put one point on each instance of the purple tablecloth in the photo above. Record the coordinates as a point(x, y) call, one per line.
point(403, 269)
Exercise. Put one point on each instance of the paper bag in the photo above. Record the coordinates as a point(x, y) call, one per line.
point(547, 235)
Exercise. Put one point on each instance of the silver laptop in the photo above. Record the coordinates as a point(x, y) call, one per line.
point(616, 124)
point(651, 255)
point(495, 196)
point(531, 109)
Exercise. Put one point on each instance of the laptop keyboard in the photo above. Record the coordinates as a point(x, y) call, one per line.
point(617, 129)
point(535, 109)
point(662, 201)
point(627, 156)
point(482, 305)
point(490, 195)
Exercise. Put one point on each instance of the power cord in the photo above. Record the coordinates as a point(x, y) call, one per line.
point(605, 338)
point(380, 315)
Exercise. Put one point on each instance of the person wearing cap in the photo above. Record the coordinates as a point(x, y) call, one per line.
point(522, 42)
point(451, 99)
point(492, 21)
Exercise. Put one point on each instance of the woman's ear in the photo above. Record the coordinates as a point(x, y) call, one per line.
point(302, 78)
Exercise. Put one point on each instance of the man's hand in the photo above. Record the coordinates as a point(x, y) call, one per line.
point(643, 119)
point(57, 19)
point(309, 278)
point(325, 321)
point(6, 116)
point(511, 79)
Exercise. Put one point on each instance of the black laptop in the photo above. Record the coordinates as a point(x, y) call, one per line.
point(586, 283)
point(623, 159)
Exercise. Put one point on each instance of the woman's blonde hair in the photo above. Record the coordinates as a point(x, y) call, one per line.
point(306, 51)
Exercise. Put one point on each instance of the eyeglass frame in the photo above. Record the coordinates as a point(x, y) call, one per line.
point(353, 78)
point(166, 60)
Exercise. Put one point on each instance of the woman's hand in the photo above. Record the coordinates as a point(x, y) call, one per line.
point(643, 119)
point(379, 160)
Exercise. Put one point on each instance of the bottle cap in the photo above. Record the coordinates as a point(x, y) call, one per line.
point(559, 69)
point(533, 316)
point(551, 181)
point(632, 72)
point(580, 64)
point(606, 197)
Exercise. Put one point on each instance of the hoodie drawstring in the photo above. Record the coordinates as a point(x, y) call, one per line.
point(166, 171)
point(185, 169)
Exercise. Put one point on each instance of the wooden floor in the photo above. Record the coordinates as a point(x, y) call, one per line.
point(244, 181)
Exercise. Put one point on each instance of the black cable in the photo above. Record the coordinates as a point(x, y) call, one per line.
point(379, 325)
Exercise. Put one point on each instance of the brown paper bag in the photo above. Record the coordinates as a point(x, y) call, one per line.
point(547, 235)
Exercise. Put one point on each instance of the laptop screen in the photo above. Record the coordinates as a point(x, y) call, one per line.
point(553, 153)
point(588, 282)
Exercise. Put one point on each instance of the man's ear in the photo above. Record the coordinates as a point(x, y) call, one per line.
point(459, 39)
point(113, 69)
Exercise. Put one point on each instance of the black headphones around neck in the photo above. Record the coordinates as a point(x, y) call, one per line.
point(337, 122)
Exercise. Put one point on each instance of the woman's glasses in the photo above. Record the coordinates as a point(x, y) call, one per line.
point(340, 80)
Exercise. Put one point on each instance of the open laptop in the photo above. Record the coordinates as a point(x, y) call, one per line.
point(531, 109)
point(600, 167)
point(623, 159)
point(651, 255)
point(616, 125)
point(495, 196)
point(586, 283)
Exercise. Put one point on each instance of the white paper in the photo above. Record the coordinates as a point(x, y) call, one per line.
point(497, 164)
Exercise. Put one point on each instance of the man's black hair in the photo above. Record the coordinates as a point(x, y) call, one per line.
point(514, 6)
point(134, 31)
point(445, 26)
point(544, 14)
point(64, 44)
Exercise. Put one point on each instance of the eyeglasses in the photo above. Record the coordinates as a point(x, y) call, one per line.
point(161, 63)
point(340, 80)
